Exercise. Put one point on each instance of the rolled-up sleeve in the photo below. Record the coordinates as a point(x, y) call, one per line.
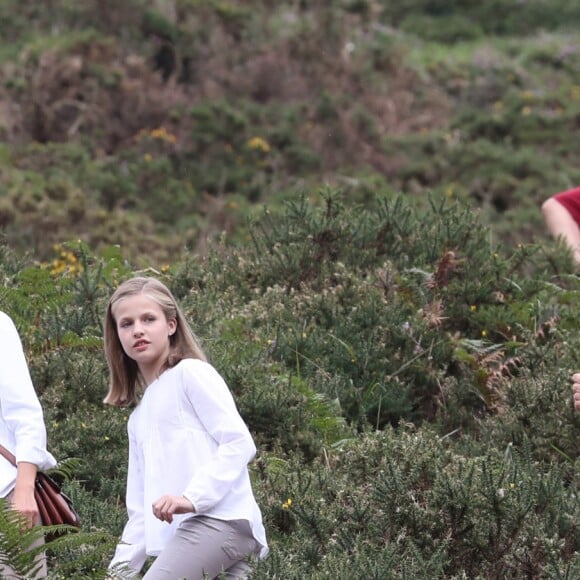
point(19, 405)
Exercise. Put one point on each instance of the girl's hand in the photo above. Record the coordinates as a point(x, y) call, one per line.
point(168, 505)
point(576, 391)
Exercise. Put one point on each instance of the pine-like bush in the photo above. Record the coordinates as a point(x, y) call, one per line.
point(406, 381)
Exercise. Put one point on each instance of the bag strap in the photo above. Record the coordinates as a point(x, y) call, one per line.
point(7, 455)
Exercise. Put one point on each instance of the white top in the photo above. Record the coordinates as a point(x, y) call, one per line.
point(187, 438)
point(22, 428)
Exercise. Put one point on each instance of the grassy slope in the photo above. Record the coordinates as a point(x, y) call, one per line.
point(431, 98)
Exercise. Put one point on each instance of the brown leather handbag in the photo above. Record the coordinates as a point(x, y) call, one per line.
point(54, 506)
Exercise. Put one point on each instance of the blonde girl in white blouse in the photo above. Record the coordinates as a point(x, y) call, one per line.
point(189, 497)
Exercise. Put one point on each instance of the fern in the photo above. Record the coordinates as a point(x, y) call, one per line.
point(17, 542)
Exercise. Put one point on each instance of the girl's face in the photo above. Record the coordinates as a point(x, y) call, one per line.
point(144, 333)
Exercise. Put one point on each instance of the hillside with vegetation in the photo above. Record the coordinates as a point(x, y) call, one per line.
point(345, 198)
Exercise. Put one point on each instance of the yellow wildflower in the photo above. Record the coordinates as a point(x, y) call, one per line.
point(259, 144)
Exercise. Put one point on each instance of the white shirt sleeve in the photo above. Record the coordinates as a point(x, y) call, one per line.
point(19, 405)
point(215, 406)
point(130, 551)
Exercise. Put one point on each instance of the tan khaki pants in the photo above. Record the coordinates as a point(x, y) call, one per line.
point(204, 547)
point(9, 574)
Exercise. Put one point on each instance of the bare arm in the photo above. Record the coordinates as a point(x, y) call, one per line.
point(562, 225)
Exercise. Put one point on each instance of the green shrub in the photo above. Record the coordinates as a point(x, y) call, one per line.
point(400, 504)
point(335, 324)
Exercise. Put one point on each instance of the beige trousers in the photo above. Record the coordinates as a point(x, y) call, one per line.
point(204, 547)
point(9, 574)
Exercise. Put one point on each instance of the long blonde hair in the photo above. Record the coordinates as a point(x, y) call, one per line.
point(125, 379)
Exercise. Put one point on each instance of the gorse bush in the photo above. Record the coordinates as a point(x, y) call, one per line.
point(383, 308)
point(402, 504)
point(335, 326)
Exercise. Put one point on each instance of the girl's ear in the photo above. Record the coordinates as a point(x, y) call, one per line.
point(172, 324)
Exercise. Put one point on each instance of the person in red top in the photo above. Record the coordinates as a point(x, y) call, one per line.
point(562, 216)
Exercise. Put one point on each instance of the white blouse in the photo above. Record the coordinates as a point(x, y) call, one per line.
point(187, 438)
point(22, 428)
